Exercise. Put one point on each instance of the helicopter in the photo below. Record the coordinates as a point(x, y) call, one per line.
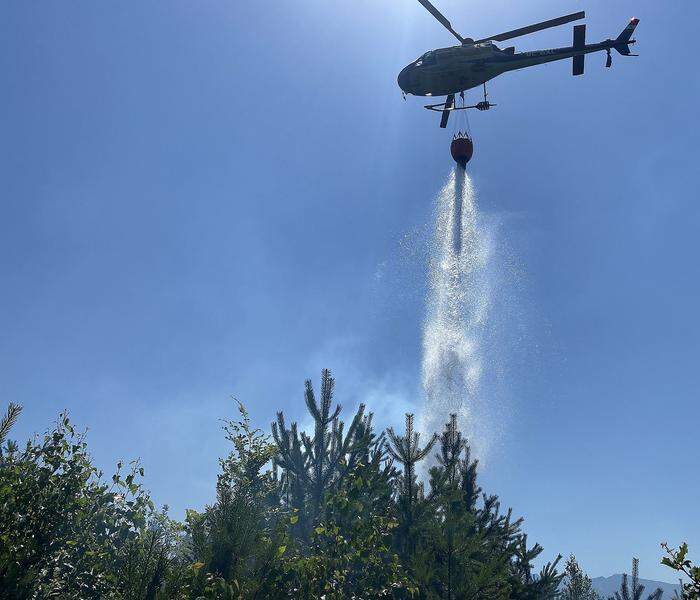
point(455, 69)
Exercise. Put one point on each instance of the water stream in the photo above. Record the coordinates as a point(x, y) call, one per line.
point(458, 309)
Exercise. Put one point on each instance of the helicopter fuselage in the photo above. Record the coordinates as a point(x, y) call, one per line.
point(457, 68)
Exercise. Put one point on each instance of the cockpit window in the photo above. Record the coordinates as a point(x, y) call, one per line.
point(427, 59)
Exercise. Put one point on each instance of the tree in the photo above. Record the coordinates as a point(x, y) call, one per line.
point(526, 586)
point(454, 545)
point(235, 541)
point(336, 513)
point(577, 585)
point(454, 563)
point(407, 452)
point(351, 554)
point(8, 420)
point(677, 560)
point(151, 566)
point(336, 489)
point(64, 532)
point(637, 589)
point(313, 465)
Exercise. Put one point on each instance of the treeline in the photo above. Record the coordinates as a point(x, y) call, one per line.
point(337, 512)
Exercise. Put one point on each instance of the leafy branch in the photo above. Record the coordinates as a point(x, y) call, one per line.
point(677, 560)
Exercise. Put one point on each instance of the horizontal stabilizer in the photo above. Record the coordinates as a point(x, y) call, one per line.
point(579, 44)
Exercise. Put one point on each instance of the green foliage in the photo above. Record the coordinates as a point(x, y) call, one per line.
point(235, 541)
point(677, 560)
point(334, 513)
point(407, 452)
point(457, 544)
point(151, 566)
point(313, 464)
point(577, 585)
point(64, 532)
point(637, 590)
point(350, 555)
point(8, 420)
point(469, 549)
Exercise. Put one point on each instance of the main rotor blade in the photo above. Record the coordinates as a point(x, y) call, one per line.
point(532, 28)
point(441, 18)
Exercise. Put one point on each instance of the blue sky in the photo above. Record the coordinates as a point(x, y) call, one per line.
point(202, 200)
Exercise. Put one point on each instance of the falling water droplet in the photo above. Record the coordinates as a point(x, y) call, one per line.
point(459, 304)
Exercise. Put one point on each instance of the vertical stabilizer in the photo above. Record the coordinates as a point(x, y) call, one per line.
point(623, 41)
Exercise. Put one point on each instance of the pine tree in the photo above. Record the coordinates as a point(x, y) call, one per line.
point(525, 585)
point(350, 553)
point(336, 513)
point(637, 589)
point(463, 548)
point(454, 544)
point(8, 420)
point(407, 452)
point(311, 466)
point(577, 585)
point(451, 447)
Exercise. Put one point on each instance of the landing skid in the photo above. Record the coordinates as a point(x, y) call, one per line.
point(449, 105)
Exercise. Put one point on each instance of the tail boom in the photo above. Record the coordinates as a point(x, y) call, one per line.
point(577, 51)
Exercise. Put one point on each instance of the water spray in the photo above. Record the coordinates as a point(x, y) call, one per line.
point(459, 304)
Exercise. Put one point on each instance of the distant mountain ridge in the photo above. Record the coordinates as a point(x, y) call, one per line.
point(607, 586)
